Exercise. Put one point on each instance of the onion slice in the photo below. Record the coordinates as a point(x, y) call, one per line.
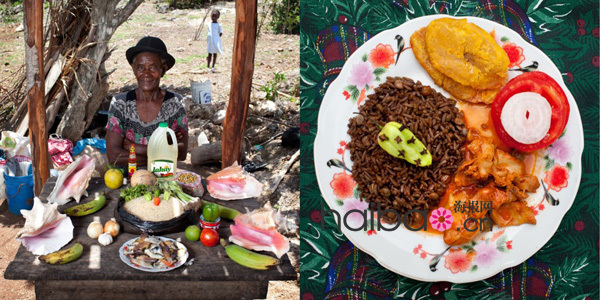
point(526, 117)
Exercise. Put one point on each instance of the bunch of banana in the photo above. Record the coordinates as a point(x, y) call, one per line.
point(64, 256)
point(85, 209)
point(247, 258)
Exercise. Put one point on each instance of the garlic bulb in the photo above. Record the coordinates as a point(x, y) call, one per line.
point(105, 239)
point(112, 227)
point(94, 229)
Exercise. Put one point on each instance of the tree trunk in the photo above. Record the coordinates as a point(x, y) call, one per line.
point(89, 88)
point(244, 46)
point(38, 134)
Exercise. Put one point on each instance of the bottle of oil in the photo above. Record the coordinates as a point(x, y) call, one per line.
point(162, 156)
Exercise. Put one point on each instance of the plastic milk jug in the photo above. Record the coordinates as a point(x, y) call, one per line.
point(162, 157)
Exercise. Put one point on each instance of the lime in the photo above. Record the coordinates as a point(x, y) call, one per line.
point(113, 179)
point(192, 233)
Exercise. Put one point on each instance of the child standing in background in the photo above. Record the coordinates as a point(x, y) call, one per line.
point(214, 47)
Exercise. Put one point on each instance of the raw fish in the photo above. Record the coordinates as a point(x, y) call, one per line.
point(256, 234)
point(73, 181)
point(45, 230)
point(233, 183)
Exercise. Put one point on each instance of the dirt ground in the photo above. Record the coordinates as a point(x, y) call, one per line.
point(274, 53)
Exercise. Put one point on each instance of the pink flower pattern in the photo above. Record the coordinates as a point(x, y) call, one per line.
point(560, 151)
point(361, 75)
point(486, 254)
point(355, 219)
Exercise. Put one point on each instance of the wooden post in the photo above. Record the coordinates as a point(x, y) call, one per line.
point(38, 134)
point(244, 46)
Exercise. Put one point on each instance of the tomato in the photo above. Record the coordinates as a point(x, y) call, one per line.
point(209, 237)
point(540, 83)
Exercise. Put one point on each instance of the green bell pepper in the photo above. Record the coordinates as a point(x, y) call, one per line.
point(210, 212)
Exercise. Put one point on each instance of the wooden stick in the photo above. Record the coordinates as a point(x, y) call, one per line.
point(244, 47)
point(197, 35)
point(284, 171)
point(34, 58)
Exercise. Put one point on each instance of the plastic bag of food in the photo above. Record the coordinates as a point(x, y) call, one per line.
point(15, 144)
point(190, 182)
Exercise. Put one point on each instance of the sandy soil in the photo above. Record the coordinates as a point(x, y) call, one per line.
point(274, 53)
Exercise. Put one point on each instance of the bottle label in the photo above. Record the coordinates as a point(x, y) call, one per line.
point(132, 168)
point(162, 168)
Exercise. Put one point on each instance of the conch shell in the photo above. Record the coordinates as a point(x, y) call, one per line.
point(45, 230)
point(73, 181)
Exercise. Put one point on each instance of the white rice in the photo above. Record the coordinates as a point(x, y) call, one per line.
point(147, 211)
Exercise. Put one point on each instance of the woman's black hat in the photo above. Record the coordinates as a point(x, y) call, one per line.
point(150, 44)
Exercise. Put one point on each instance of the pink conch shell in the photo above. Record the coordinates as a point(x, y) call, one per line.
point(73, 182)
point(45, 230)
point(233, 183)
point(257, 231)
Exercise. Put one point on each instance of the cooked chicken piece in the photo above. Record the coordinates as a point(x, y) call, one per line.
point(506, 168)
point(513, 214)
point(472, 210)
point(515, 193)
point(529, 183)
point(457, 234)
point(480, 166)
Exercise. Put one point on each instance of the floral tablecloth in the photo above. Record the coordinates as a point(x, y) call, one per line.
point(567, 266)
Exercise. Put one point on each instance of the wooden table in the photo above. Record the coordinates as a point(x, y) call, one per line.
point(100, 274)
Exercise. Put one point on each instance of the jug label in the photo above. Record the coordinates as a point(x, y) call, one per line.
point(162, 168)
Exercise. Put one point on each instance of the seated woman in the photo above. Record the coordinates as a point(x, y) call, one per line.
point(133, 116)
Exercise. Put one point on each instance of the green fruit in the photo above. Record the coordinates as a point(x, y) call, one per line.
point(192, 233)
point(249, 259)
point(85, 209)
point(64, 256)
point(227, 213)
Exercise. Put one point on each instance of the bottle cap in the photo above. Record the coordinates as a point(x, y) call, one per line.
point(163, 124)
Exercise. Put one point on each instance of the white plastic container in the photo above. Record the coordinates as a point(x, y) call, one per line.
point(201, 92)
point(162, 157)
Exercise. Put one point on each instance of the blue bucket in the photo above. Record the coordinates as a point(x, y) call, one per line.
point(19, 192)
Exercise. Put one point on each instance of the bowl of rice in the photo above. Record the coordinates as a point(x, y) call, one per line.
point(138, 216)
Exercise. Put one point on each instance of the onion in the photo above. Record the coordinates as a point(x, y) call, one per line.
point(112, 227)
point(94, 230)
point(526, 117)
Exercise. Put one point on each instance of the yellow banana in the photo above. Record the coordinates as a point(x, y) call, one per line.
point(247, 258)
point(63, 256)
point(85, 209)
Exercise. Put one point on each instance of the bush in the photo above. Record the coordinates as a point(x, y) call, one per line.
point(184, 4)
point(286, 16)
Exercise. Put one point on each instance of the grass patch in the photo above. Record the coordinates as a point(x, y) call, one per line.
point(144, 19)
point(190, 58)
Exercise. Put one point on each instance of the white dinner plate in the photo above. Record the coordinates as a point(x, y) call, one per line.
point(128, 261)
point(413, 254)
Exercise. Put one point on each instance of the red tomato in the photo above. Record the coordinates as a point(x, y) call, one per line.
point(536, 82)
point(209, 237)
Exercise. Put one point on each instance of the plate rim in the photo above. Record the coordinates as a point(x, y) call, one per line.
point(456, 278)
point(126, 260)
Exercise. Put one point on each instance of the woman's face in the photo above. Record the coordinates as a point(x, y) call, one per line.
point(148, 70)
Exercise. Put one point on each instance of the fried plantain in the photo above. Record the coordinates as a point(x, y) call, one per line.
point(466, 53)
point(457, 90)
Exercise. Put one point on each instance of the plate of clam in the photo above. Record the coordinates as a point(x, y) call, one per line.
point(153, 253)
